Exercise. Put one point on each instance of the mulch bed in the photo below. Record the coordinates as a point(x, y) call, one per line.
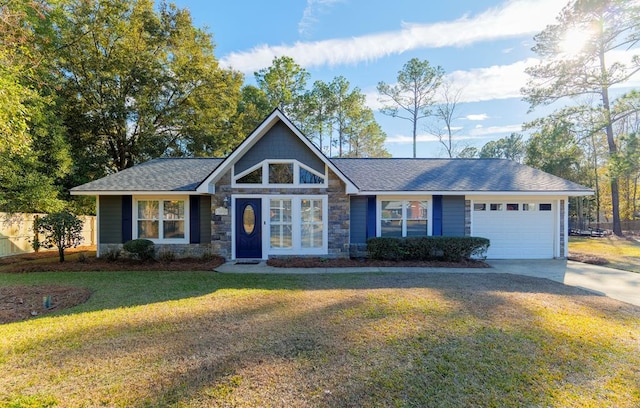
point(316, 262)
point(21, 302)
point(48, 262)
point(588, 259)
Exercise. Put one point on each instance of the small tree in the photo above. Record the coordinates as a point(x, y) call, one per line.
point(413, 95)
point(61, 229)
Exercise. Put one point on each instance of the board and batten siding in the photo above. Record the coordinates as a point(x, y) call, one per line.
point(279, 143)
point(205, 219)
point(110, 219)
point(358, 216)
point(453, 216)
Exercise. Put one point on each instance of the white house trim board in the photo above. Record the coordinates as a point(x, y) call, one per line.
point(137, 193)
point(260, 131)
point(98, 227)
point(471, 194)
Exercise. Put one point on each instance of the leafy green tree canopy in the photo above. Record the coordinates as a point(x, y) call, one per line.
point(283, 83)
point(62, 230)
point(139, 84)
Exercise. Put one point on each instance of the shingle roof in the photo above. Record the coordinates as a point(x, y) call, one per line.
point(482, 175)
point(164, 174)
point(463, 175)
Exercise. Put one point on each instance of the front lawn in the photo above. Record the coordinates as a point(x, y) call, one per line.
point(619, 253)
point(192, 339)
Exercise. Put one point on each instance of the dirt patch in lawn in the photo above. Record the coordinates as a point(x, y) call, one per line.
point(316, 262)
point(22, 302)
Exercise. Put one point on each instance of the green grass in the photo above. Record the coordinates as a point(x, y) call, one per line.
point(620, 253)
point(191, 339)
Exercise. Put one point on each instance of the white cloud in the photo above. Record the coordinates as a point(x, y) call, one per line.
point(428, 137)
point(477, 117)
point(513, 19)
point(404, 139)
point(492, 130)
point(495, 82)
point(310, 12)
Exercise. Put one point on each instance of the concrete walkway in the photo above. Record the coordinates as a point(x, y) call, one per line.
point(616, 284)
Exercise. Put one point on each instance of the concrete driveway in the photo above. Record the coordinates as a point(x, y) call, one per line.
point(616, 284)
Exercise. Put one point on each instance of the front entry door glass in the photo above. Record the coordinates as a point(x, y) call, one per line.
point(248, 228)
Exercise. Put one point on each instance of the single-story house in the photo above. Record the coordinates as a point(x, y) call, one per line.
point(277, 194)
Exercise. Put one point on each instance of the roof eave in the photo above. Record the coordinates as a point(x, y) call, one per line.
point(134, 192)
point(571, 193)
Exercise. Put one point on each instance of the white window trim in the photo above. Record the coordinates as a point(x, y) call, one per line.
point(187, 218)
point(296, 208)
point(404, 199)
point(265, 175)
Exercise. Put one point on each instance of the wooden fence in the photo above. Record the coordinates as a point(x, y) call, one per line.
point(16, 232)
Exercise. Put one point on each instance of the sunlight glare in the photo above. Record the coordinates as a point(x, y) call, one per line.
point(573, 42)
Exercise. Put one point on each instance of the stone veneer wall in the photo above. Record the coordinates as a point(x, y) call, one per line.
point(563, 217)
point(178, 250)
point(338, 213)
point(467, 217)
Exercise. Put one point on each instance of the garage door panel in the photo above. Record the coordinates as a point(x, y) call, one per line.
point(516, 234)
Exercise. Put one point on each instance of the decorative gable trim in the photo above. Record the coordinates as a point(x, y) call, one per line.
point(208, 184)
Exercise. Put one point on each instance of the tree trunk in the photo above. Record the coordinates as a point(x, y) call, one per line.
point(61, 254)
point(613, 149)
point(415, 124)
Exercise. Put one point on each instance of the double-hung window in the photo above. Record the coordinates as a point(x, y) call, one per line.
point(161, 220)
point(298, 224)
point(404, 218)
point(281, 223)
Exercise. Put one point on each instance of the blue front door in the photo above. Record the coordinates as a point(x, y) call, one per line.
point(248, 228)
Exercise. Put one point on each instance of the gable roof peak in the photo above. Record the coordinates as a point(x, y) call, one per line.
point(260, 131)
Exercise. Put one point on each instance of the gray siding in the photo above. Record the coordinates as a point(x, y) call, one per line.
point(358, 215)
point(110, 215)
point(279, 143)
point(205, 219)
point(453, 216)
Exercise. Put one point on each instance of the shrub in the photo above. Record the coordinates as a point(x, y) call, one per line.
point(386, 249)
point(111, 255)
point(453, 249)
point(166, 256)
point(61, 230)
point(142, 249)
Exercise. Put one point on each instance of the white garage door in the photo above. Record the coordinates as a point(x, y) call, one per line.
point(517, 230)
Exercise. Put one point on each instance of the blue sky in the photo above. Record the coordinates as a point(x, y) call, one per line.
point(483, 46)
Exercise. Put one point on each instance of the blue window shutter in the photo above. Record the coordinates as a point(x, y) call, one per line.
point(437, 215)
point(194, 219)
point(127, 223)
point(371, 217)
